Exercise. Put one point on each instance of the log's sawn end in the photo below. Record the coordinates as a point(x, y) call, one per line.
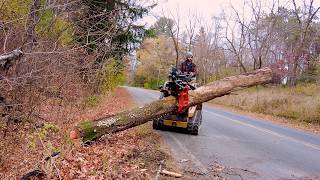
point(75, 134)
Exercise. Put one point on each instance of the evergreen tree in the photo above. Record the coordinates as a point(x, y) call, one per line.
point(163, 26)
point(107, 27)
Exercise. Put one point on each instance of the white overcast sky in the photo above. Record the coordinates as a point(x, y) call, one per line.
point(208, 8)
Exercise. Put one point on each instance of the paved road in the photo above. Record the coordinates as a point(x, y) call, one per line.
point(247, 148)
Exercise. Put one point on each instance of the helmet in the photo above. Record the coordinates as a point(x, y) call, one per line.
point(189, 54)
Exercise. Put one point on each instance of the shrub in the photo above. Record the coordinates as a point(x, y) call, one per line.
point(289, 113)
point(152, 84)
point(313, 72)
point(92, 101)
point(260, 107)
point(311, 115)
point(276, 103)
point(306, 89)
point(49, 26)
point(114, 75)
point(301, 103)
point(139, 81)
point(15, 9)
point(222, 73)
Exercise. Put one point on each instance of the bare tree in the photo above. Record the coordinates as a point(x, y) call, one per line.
point(207, 49)
point(174, 30)
point(191, 28)
point(32, 21)
point(235, 45)
point(260, 32)
point(54, 65)
point(304, 16)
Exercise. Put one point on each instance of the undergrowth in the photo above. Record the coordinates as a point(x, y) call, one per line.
point(300, 103)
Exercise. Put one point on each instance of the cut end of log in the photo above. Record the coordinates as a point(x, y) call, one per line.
point(74, 134)
point(84, 131)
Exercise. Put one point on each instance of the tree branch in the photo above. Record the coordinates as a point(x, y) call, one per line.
point(15, 54)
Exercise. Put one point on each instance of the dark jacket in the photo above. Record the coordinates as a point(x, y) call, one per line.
point(187, 67)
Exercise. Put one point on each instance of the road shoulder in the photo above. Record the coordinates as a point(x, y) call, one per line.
point(303, 126)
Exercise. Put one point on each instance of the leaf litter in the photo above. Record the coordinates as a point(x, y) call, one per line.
point(131, 154)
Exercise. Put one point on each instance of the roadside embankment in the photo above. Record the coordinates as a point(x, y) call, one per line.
point(134, 153)
point(297, 107)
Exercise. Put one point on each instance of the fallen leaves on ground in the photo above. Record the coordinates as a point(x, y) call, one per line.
point(134, 153)
point(126, 154)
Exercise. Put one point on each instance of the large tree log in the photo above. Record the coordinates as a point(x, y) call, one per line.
point(90, 130)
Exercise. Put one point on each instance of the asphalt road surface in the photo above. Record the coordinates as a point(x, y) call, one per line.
point(241, 147)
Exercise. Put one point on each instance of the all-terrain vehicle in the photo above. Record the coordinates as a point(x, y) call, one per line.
point(178, 86)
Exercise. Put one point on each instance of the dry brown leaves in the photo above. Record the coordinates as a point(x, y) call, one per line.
point(118, 156)
point(130, 154)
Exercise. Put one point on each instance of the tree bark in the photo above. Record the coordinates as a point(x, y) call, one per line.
point(90, 130)
point(33, 20)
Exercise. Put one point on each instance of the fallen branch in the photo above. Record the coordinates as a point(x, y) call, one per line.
point(170, 173)
point(159, 169)
point(10, 56)
point(90, 130)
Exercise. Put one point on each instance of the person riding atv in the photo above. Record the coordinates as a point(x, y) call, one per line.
point(180, 82)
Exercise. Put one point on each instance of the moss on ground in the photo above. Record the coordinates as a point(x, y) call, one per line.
point(88, 131)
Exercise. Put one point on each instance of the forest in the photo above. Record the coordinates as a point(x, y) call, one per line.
point(66, 61)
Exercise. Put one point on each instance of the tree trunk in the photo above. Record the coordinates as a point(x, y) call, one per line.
point(33, 20)
point(90, 130)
